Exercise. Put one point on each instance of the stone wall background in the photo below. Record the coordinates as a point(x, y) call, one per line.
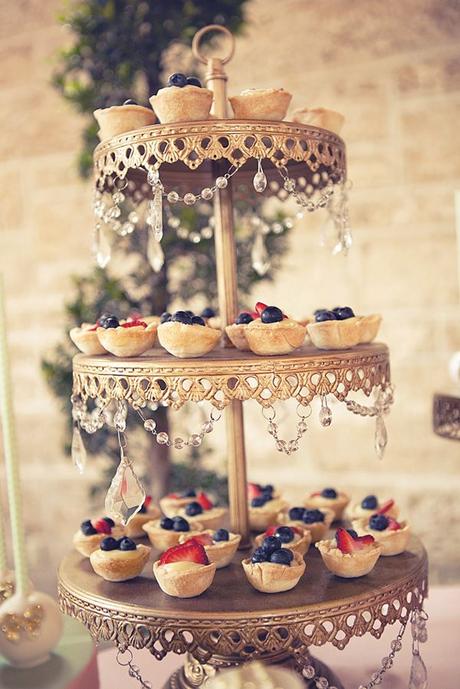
point(394, 70)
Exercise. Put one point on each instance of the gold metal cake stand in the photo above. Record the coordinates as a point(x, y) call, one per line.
point(232, 623)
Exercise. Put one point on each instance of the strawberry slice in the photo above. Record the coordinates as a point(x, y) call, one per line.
point(253, 490)
point(363, 541)
point(132, 324)
point(102, 526)
point(254, 314)
point(202, 538)
point(204, 501)
point(393, 525)
point(346, 543)
point(314, 495)
point(386, 507)
point(190, 551)
point(271, 530)
point(147, 501)
point(260, 306)
point(173, 496)
point(90, 330)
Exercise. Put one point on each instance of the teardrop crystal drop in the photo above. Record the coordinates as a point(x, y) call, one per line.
point(260, 181)
point(418, 675)
point(120, 416)
point(155, 253)
point(78, 450)
point(158, 214)
point(102, 248)
point(381, 437)
point(126, 495)
point(259, 255)
point(325, 416)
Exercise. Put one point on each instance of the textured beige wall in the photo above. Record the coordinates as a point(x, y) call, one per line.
point(394, 70)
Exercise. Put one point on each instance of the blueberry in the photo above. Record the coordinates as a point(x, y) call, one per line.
point(109, 521)
point(258, 501)
point(208, 312)
point(87, 528)
point(285, 534)
point(270, 544)
point(283, 556)
point(180, 524)
point(243, 318)
point(296, 513)
point(193, 81)
point(369, 503)
point(193, 509)
point(221, 535)
point(177, 79)
point(329, 493)
point(130, 101)
point(190, 313)
point(103, 318)
point(259, 555)
point(353, 533)
point(268, 488)
point(271, 314)
point(197, 320)
point(378, 522)
point(142, 510)
point(343, 312)
point(167, 523)
point(109, 543)
point(127, 544)
point(182, 317)
point(317, 311)
point(189, 493)
point(325, 316)
point(165, 317)
point(312, 516)
point(110, 322)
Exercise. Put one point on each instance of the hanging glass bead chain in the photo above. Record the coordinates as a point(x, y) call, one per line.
point(126, 495)
point(338, 213)
point(287, 446)
point(384, 398)
point(206, 194)
point(289, 184)
point(418, 678)
point(133, 670)
point(194, 439)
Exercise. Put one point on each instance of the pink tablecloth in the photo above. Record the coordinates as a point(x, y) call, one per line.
point(354, 665)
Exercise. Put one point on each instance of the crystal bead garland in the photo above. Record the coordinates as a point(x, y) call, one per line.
point(260, 258)
point(126, 495)
point(287, 446)
point(260, 180)
point(383, 401)
point(78, 451)
point(418, 673)
point(194, 440)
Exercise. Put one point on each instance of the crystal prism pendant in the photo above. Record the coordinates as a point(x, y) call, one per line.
point(260, 258)
point(381, 436)
point(78, 450)
point(120, 416)
point(125, 496)
point(418, 675)
point(260, 180)
point(102, 248)
point(325, 415)
point(155, 253)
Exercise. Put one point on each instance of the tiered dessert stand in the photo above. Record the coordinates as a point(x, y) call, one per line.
point(232, 623)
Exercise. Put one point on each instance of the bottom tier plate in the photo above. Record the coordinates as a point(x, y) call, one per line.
point(232, 622)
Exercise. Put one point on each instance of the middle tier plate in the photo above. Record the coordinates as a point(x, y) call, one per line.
point(228, 374)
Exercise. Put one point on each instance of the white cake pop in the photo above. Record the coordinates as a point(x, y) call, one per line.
point(30, 627)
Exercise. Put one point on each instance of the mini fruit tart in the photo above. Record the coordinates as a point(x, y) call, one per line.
point(119, 560)
point(93, 531)
point(349, 555)
point(202, 510)
point(330, 499)
point(237, 331)
point(391, 534)
point(273, 333)
point(173, 502)
point(317, 522)
point(369, 327)
point(184, 571)
point(320, 117)
point(290, 536)
point(371, 505)
point(272, 568)
point(265, 504)
point(220, 545)
point(261, 104)
point(336, 329)
point(165, 532)
point(122, 118)
point(131, 338)
point(182, 100)
point(86, 339)
point(185, 335)
point(210, 318)
point(147, 513)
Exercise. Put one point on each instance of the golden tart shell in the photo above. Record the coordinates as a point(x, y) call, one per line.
point(261, 104)
point(87, 341)
point(187, 104)
point(184, 584)
point(134, 528)
point(337, 505)
point(270, 577)
point(237, 336)
point(162, 539)
point(119, 565)
point(300, 546)
point(269, 339)
point(335, 334)
point(369, 327)
point(88, 544)
point(172, 506)
point(320, 117)
point(260, 518)
point(208, 519)
point(349, 565)
point(127, 341)
point(392, 542)
point(220, 552)
point(184, 341)
point(122, 118)
point(318, 530)
point(355, 511)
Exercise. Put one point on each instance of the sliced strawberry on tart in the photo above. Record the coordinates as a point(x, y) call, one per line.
point(393, 535)
point(349, 555)
point(371, 505)
point(220, 545)
point(184, 571)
